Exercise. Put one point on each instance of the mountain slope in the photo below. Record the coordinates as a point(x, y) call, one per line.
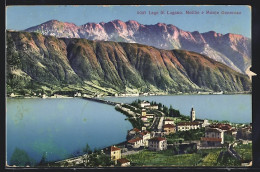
point(34, 59)
point(231, 49)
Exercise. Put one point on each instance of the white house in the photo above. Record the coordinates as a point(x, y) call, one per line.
point(152, 107)
point(150, 116)
point(168, 121)
point(185, 126)
point(157, 144)
point(205, 123)
point(144, 103)
point(77, 94)
point(145, 135)
point(136, 142)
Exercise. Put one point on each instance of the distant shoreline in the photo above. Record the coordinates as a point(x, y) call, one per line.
point(184, 94)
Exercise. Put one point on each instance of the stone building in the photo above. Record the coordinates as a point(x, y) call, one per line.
point(213, 137)
point(157, 144)
point(185, 126)
point(145, 135)
point(169, 128)
point(135, 142)
point(168, 121)
point(115, 153)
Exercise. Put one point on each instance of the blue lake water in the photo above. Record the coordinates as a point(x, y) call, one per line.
point(63, 126)
point(234, 108)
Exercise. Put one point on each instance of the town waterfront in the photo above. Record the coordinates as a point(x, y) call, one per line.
point(235, 108)
point(62, 127)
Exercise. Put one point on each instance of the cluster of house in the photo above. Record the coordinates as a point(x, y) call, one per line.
point(245, 132)
point(134, 94)
point(28, 95)
point(214, 134)
point(147, 105)
point(144, 115)
point(138, 139)
point(170, 127)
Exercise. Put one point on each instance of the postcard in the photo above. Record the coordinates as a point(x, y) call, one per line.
point(128, 86)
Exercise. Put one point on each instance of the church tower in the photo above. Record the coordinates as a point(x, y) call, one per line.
point(192, 115)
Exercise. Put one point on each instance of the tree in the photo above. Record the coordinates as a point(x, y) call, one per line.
point(96, 150)
point(160, 106)
point(166, 110)
point(177, 149)
point(104, 160)
point(86, 149)
point(93, 160)
point(21, 158)
point(44, 159)
point(189, 150)
point(171, 111)
point(178, 113)
point(228, 138)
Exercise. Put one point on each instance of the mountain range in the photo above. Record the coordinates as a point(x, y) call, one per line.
point(231, 49)
point(36, 61)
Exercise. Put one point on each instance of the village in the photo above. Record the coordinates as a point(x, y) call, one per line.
point(159, 130)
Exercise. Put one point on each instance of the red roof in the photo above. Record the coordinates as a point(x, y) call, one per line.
point(136, 130)
point(144, 133)
point(212, 139)
point(123, 160)
point(134, 140)
point(113, 148)
point(226, 127)
point(216, 130)
point(157, 139)
point(188, 123)
point(168, 126)
point(168, 120)
point(221, 126)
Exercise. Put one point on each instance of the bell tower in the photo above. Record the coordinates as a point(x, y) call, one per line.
point(192, 115)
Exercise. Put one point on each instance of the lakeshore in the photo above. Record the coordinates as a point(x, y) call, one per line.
point(157, 132)
point(143, 97)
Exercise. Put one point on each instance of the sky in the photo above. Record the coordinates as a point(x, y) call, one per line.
point(23, 17)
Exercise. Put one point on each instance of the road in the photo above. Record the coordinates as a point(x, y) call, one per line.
point(233, 152)
point(160, 124)
point(155, 123)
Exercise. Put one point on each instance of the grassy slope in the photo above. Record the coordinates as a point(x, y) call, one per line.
point(34, 60)
point(167, 158)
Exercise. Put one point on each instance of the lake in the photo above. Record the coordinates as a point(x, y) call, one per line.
point(61, 127)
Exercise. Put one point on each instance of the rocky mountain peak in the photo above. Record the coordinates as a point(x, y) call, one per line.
point(231, 49)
